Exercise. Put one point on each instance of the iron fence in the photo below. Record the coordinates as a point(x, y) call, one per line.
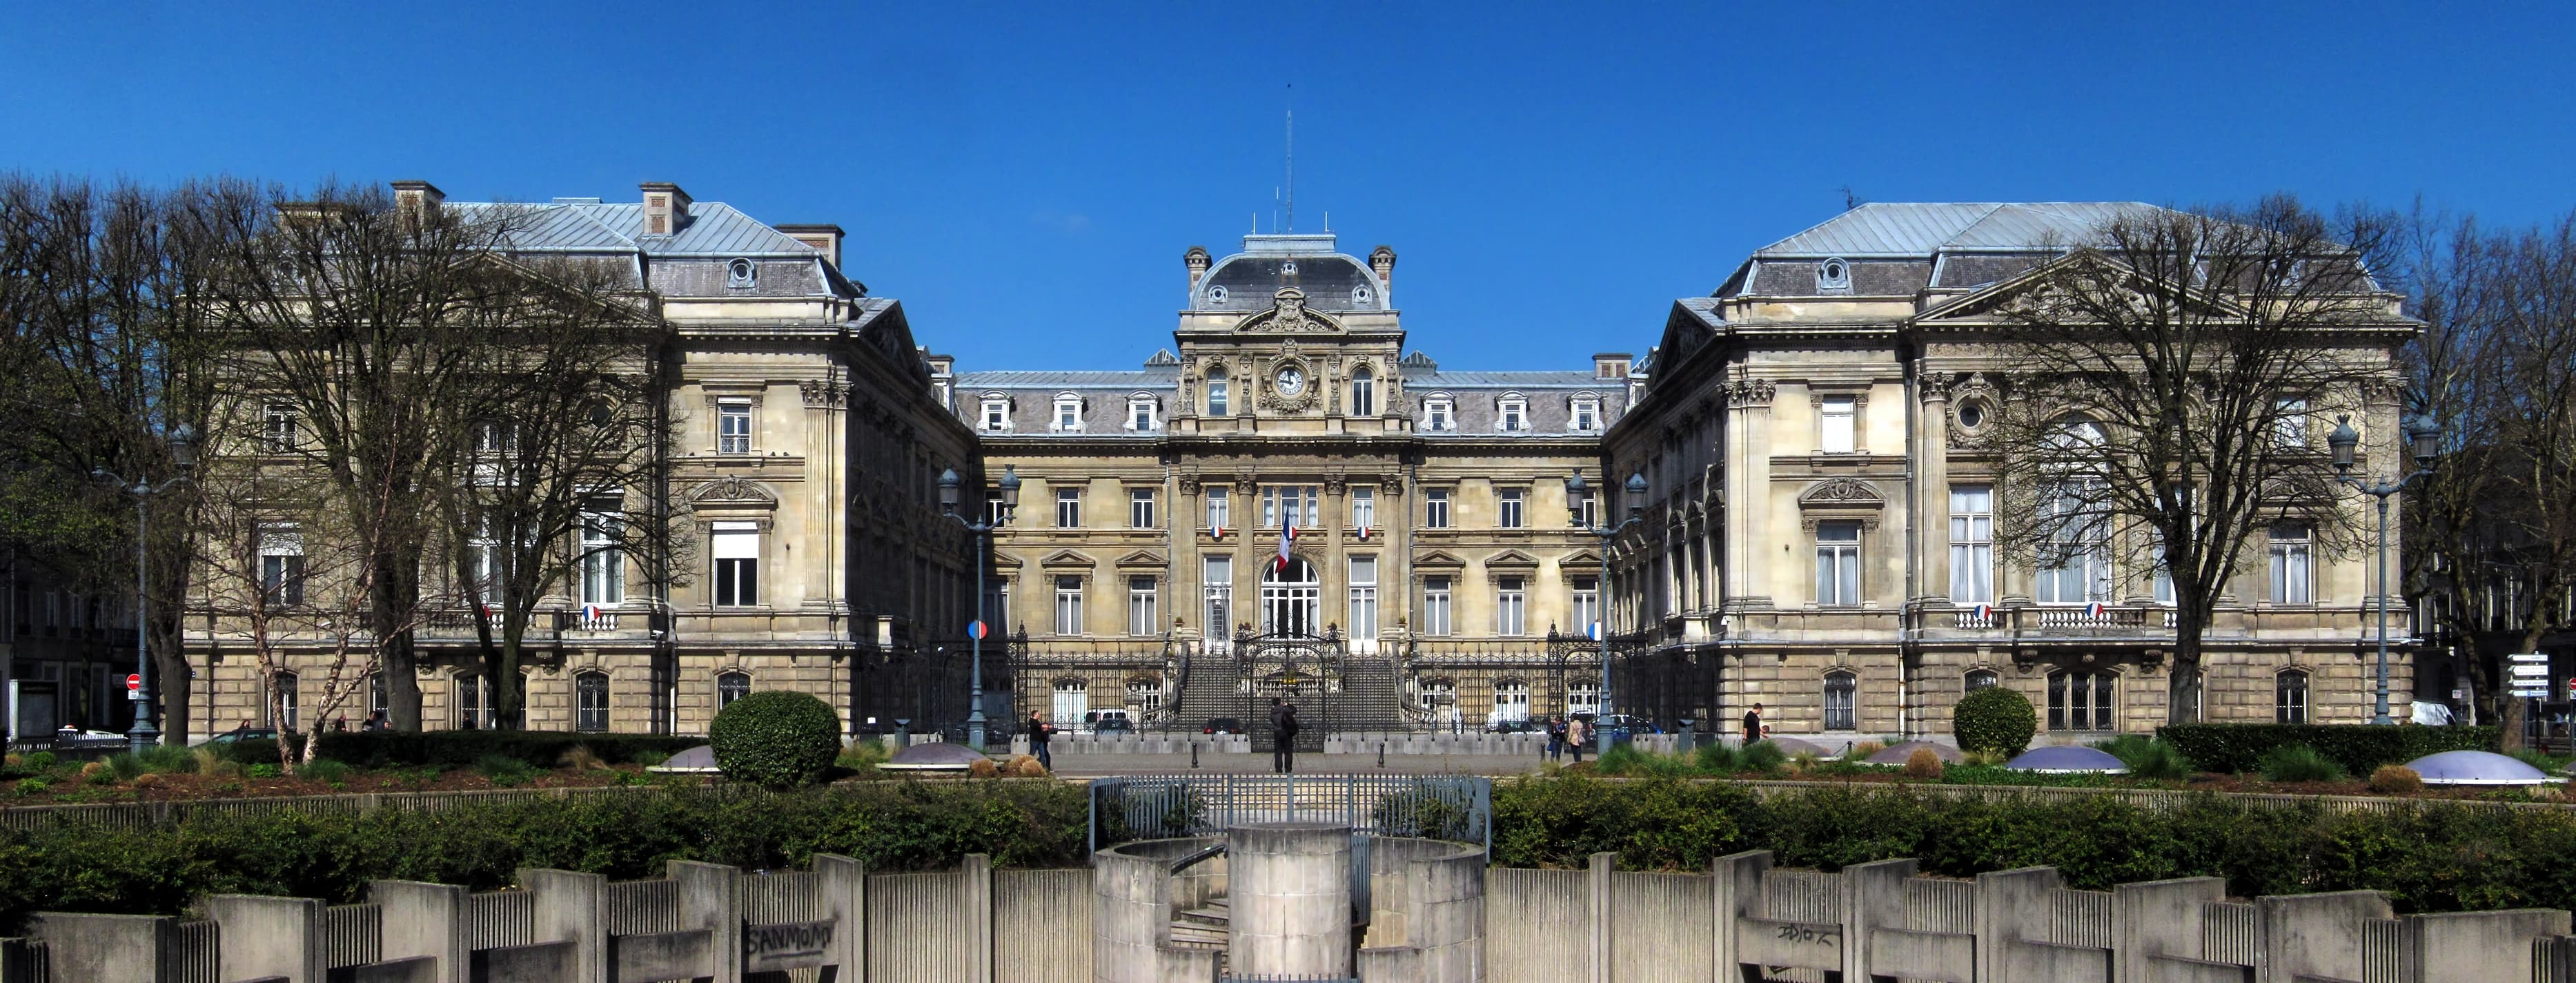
point(1443, 807)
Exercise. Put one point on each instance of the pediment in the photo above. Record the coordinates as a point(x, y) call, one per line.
point(1582, 560)
point(1841, 493)
point(733, 492)
point(1141, 558)
point(2050, 291)
point(1437, 558)
point(1511, 560)
point(1066, 558)
point(1288, 314)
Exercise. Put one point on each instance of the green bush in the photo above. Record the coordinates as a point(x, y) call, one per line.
point(2300, 763)
point(2149, 758)
point(777, 738)
point(265, 769)
point(1762, 756)
point(462, 748)
point(505, 770)
point(323, 770)
point(1718, 758)
point(1993, 719)
point(2358, 748)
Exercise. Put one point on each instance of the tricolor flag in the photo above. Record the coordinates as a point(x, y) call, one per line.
point(1218, 530)
point(1985, 612)
point(1363, 532)
point(2096, 609)
point(1287, 538)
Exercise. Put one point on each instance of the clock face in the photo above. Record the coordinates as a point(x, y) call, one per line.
point(1291, 381)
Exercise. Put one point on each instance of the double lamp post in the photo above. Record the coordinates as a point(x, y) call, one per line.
point(1577, 491)
point(183, 458)
point(2424, 438)
point(1009, 487)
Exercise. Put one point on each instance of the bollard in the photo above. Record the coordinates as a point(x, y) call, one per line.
point(1194, 755)
point(1381, 755)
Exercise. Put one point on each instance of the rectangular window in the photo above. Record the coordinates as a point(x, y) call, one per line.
point(290, 700)
point(997, 414)
point(1511, 606)
point(1972, 544)
point(1838, 428)
point(278, 428)
point(1842, 701)
point(1514, 414)
point(1216, 395)
point(1140, 606)
point(1363, 508)
point(2075, 562)
point(1068, 508)
point(1299, 504)
point(603, 565)
point(733, 427)
point(2160, 579)
point(1219, 503)
point(1068, 413)
point(1363, 394)
point(1140, 415)
point(2290, 554)
point(1509, 501)
point(1587, 415)
point(1216, 585)
point(281, 567)
point(1588, 512)
point(1837, 563)
point(1140, 508)
point(1435, 508)
point(1068, 605)
point(2080, 701)
point(2290, 422)
point(2290, 698)
point(1435, 606)
point(736, 550)
point(1435, 415)
point(1364, 598)
point(1587, 606)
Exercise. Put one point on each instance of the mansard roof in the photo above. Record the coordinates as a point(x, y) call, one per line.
point(1332, 281)
point(1920, 229)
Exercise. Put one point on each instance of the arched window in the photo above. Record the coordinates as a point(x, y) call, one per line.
point(1216, 395)
point(289, 696)
point(1072, 700)
point(1842, 701)
point(1363, 392)
point(1982, 679)
point(2081, 701)
point(732, 686)
point(1511, 700)
point(590, 701)
point(2290, 697)
point(1290, 597)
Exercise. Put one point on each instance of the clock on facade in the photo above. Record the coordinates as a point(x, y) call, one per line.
point(1291, 381)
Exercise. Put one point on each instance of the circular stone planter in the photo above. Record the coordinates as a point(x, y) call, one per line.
point(935, 757)
point(1898, 754)
point(2476, 768)
point(2068, 760)
point(699, 760)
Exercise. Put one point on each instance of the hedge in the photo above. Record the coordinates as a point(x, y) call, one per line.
point(889, 826)
point(462, 748)
point(2438, 856)
point(2359, 748)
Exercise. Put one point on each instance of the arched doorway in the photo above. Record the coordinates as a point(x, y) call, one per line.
point(1291, 599)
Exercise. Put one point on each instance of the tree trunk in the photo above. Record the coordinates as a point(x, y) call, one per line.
point(170, 673)
point(396, 594)
point(506, 697)
point(2182, 681)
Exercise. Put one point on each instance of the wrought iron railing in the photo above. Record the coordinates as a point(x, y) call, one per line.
point(1445, 807)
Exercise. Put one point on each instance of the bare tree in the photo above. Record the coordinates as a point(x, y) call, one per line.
point(2172, 378)
point(107, 347)
point(557, 490)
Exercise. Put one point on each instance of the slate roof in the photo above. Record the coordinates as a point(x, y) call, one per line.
point(1049, 379)
point(1332, 281)
point(1509, 380)
point(714, 229)
point(1920, 229)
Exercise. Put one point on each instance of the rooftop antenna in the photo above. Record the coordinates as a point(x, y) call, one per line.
point(1292, 157)
point(1850, 200)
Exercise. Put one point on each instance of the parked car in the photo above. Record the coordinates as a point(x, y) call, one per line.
point(240, 734)
point(1114, 725)
point(1223, 725)
point(1515, 725)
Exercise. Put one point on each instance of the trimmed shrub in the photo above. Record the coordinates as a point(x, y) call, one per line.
point(2357, 748)
point(1993, 719)
point(1923, 764)
point(777, 738)
point(2300, 763)
point(2396, 780)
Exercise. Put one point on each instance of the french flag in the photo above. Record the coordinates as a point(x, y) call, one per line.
point(1364, 533)
point(1287, 538)
point(1219, 530)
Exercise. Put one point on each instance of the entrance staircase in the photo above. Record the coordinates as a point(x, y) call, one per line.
point(1203, 928)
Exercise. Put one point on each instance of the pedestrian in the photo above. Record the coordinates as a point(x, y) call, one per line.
point(1555, 738)
point(1041, 739)
point(1576, 733)
point(1753, 725)
point(1283, 736)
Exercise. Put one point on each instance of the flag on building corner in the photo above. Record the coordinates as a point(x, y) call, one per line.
point(1287, 538)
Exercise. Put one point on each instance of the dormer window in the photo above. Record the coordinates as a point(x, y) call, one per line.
point(1068, 413)
point(1833, 276)
point(1512, 412)
point(996, 415)
point(1362, 294)
point(1140, 414)
point(1436, 414)
point(1585, 413)
point(1216, 295)
point(740, 274)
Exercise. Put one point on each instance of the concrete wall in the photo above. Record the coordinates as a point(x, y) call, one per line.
point(1042, 925)
point(1539, 925)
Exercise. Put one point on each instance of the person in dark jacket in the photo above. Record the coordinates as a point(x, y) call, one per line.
point(1040, 736)
point(1753, 724)
point(1283, 735)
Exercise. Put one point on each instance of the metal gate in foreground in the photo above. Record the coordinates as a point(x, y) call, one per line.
point(1145, 807)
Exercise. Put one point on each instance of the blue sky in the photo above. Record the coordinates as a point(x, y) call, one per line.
point(1026, 179)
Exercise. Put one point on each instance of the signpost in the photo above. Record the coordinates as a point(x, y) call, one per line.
point(134, 686)
point(2528, 674)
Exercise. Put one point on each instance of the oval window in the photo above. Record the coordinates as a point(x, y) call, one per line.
point(1972, 415)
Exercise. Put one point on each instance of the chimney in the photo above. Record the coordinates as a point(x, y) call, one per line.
point(1610, 365)
point(1197, 258)
point(666, 208)
point(419, 199)
point(1382, 260)
point(825, 239)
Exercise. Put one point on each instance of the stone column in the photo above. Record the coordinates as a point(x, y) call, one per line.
point(422, 919)
point(1737, 880)
point(572, 908)
point(845, 900)
point(1931, 504)
point(268, 937)
point(711, 899)
point(1291, 889)
point(2158, 919)
point(977, 873)
point(1876, 901)
point(1604, 912)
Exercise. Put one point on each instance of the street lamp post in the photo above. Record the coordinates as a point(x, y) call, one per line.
point(1576, 492)
point(183, 454)
point(2423, 436)
point(983, 530)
